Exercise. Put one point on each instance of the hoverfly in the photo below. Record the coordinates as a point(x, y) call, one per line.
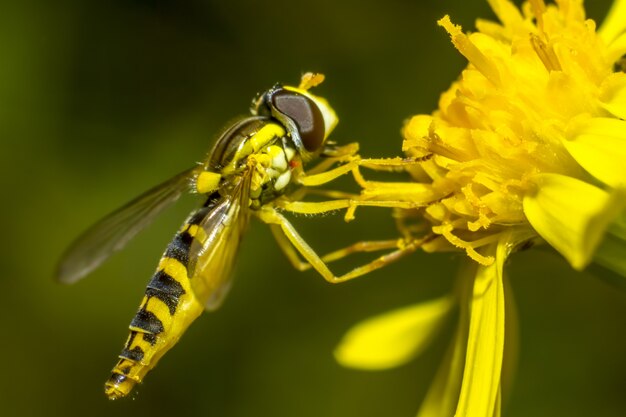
point(254, 164)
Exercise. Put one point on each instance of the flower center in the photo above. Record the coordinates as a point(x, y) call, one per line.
point(507, 120)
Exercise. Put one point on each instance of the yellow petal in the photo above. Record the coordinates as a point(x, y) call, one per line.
point(480, 391)
point(613, 94)
point(599, 146)
point(571, 215)
point(618, 227)
point(511, 342)
point(615, 22)
point(393, 338)
point(497, 410)
point(616, 49)
point(442, 397)
point(611, 252)
point(507, 12)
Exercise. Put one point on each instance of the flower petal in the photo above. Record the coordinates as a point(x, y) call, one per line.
point(393, 338)
point(511, 341)
point(611, 251)
point(507, 12)
point(615, 22)
point(616, 49)
point(618, 227)
point(443, 395)
point(483, 364)
point(610, 254)
point(497, 410)
point(571, 215)
point(613, 95)
point(599, 146)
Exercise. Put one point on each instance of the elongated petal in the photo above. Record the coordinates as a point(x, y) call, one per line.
point(480, 391)
point(443, 393)
point(507, 12)
point(615, 22)
point(571, 215)
point(511, 342)
point(616, 49)
point(611, 254)
point(393, 338)
point(613, 95)
point(497, 410)
point(599, 146)
point(612, 251)
point(442, 397)
point(618, 227)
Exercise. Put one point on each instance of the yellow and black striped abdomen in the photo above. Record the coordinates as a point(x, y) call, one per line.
point(167, 309)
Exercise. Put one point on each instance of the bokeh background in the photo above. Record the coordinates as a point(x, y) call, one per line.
point(101, 100)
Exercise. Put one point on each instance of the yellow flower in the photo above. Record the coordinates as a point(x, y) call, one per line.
point(528, 145)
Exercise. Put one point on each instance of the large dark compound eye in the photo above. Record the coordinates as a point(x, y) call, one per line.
point(305, 114)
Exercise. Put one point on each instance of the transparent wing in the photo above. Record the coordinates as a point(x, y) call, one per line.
point(114, 231)
point(215, 245)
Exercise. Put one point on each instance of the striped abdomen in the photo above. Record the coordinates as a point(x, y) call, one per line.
point(167, 309)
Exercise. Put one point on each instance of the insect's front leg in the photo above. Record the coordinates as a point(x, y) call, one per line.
point(351, 162)
point(293, 244)
point(320, 207)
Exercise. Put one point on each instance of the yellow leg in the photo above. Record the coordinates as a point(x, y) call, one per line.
point(293, 244)
point(321, 175)
point(363, 246)
point(391, 164)
point(334, 194)
point(333, 155)
point(340, 152)
point(319, 207)
point(302, 192)
point(329, 175)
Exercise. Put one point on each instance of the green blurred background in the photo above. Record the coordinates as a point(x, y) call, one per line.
point(101, 100)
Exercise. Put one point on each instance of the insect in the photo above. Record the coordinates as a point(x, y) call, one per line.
point(252, 168)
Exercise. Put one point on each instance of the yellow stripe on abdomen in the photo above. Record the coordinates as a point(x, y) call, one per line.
point(167, 309)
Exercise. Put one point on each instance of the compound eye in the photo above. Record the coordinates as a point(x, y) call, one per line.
point(306, 115)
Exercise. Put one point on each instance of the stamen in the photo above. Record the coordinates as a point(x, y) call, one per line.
point(545, 53)
point(483, 221)
point(470, 51)
point(539, 8)
point(349, 216)
point(445, 230)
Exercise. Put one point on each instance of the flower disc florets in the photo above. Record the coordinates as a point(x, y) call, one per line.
point(524, 138)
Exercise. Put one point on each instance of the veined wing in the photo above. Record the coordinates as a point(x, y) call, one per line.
point(215, 245)
point(114, 231)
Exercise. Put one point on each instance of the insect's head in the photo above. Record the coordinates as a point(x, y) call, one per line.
point(309, 119)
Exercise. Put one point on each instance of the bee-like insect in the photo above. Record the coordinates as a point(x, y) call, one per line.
point(254, 164)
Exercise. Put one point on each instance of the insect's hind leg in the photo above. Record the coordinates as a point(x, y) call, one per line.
point(293, 244)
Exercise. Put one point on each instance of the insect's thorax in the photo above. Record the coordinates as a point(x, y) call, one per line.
point(261, 148)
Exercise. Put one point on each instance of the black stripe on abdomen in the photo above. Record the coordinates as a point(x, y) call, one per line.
point(164, 287)
point(150, 338)
point(179, 248)
point(147, 321)
point(117, 379)
point(134, 354)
